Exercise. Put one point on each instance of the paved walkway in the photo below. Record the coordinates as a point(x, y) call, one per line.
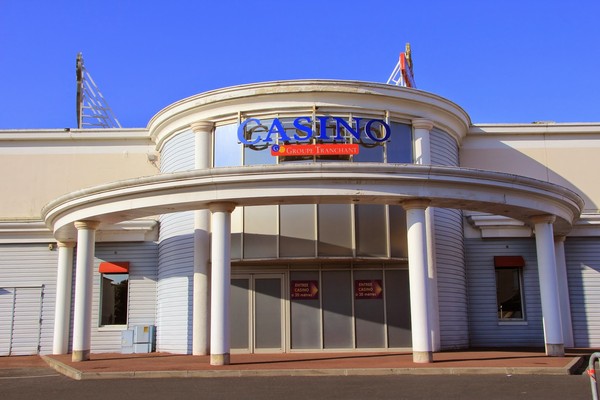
point(156, 365)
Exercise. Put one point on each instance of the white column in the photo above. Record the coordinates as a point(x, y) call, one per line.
point(422, 156)
point(220, 282)
point(200, 330)
point(82, 322)
point(421, 142)
point(418, 280)
point(544, 240)
point(62, 312)
point(563, 291)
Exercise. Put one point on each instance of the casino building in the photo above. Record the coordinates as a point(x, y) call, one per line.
point(300, 216)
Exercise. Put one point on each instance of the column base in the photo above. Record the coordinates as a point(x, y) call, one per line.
point(555, 350)
point(80, 355)
point(219, 359)
point(422, 357)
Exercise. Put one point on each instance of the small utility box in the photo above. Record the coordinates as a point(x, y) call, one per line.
point(127, 341)
point(138, 339)
point(143, 338)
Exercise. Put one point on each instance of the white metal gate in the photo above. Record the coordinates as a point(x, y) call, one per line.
point(20, 320)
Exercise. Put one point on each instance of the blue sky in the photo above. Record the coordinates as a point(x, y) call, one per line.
point(502, 61)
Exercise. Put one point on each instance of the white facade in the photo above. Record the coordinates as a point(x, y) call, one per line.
point(403, 242)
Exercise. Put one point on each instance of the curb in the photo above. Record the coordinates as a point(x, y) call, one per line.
point(79, 375)
point(63, 368)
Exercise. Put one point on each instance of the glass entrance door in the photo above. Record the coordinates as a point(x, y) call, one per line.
point(257, 313)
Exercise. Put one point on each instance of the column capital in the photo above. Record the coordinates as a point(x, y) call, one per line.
point(422, 123)
point(202, 126)
point(415, 203)
point(66, 244)
point(559, 238)
point(540, 219)
point(90, 225)
point(226, 206)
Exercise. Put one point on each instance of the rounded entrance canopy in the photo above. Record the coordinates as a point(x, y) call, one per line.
point(334, 183)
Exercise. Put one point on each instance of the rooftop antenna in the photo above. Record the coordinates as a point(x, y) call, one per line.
point(403, 71)
point(93, 110)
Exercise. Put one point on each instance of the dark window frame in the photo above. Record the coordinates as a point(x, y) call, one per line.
point(509, 288)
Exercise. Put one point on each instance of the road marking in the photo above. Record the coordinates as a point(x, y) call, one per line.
point(29, 376)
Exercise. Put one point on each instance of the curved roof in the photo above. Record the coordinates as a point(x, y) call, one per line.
point(302, 95)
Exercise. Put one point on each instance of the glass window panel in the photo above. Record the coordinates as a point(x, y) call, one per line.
point(337, 310)
point(261, 153)
point(368, 310)
point(258, 157)
point(305, 314)
point(399, 147)
point(297, 160)
point(370, 150)
point(371, 230)
point(398, 240)
point(297, 230)
point(240, 313)
point(260, 232)
point(335, 230)
point(114, 299)
point(292, 132)
point(237, 227)
point(508, 293)
point(228, 152)
point(397, 299)
point(267, 320)
point(331, 128)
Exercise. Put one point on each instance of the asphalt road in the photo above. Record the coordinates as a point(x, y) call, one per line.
point(50, 386)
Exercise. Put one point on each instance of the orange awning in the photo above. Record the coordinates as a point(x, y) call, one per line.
point(115, 267)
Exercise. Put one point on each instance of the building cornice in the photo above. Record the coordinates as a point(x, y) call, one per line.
point(498, 226)
point(78, 135)
point(25, 232)
point(38, 232)
point(587, 225)
point(535, 129)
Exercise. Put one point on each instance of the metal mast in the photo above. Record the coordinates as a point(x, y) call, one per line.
point(93, 110)
point(403, 71)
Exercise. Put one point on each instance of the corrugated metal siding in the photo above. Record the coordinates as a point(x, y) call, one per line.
point(583, 272)
point(178, 153)
point(21, 320)
point(451, 277)
point(444, 149)
point(484, 329)
point(6, 317)
point(141, 308)
point(27, 265)
point(175, 283)
point(176, 258)
point(449, 249)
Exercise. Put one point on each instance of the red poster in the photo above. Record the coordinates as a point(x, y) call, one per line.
point(368, 289)
point(304, 290)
